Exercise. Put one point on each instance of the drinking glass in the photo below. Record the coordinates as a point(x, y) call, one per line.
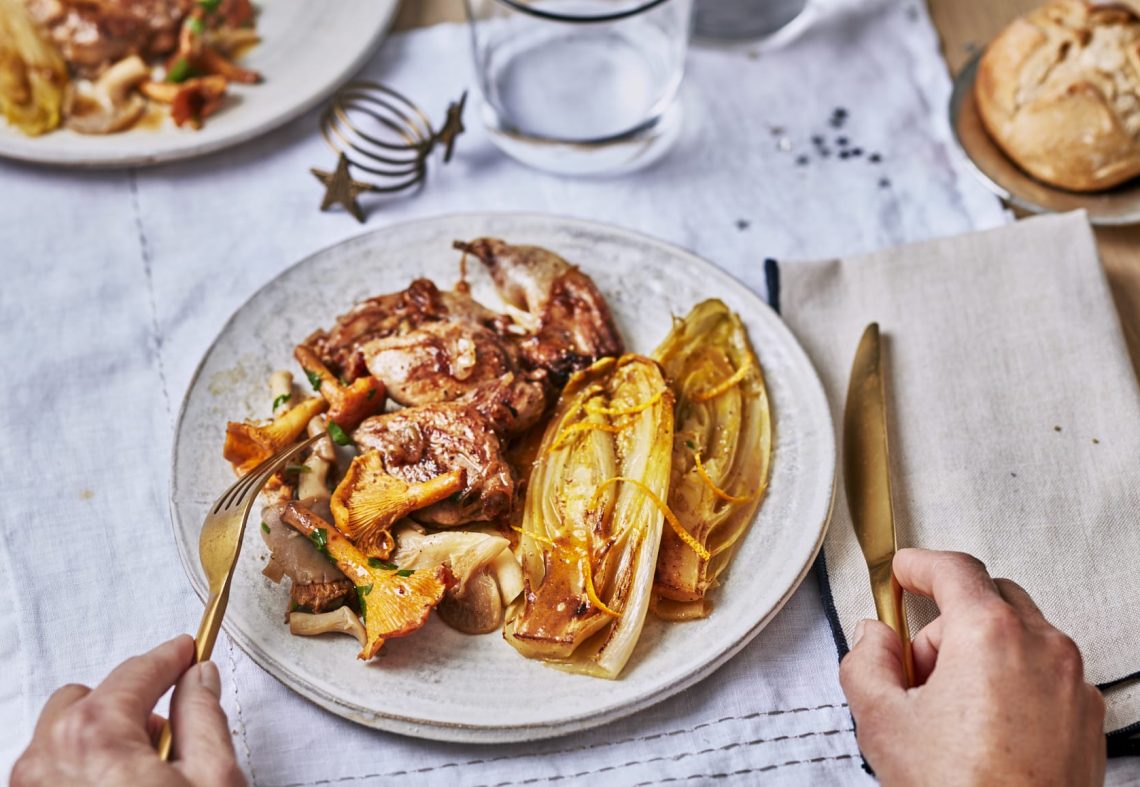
point(731, 20)
point(581, 87)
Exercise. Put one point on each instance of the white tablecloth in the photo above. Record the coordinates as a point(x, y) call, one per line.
point(114, 285)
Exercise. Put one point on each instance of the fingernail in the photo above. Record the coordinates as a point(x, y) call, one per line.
point(209, 678)
point(858, 635)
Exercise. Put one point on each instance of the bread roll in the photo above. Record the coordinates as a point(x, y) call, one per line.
point(1059, 91)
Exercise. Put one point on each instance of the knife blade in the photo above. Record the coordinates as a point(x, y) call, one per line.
point(866, 469)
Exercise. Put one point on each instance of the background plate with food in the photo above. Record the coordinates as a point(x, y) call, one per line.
point(440, 683)
point(1048, 113)
point(133, 82)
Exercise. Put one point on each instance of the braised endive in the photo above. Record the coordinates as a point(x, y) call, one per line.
point(721, 450)
point(593, 518)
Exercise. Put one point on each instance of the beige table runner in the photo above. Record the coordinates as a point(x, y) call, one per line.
point(1014, 418)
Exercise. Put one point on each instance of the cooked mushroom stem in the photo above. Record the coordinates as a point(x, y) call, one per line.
point(341, 619)
point(121, 78)
point(314, 480)
point(281, 385)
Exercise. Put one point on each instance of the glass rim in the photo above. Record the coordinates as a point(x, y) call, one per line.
point(592, 19)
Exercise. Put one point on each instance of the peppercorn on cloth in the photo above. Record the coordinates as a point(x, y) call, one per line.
point(1014, 424)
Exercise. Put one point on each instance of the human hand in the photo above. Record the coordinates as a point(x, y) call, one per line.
point(107, 735)
point(1001, 696)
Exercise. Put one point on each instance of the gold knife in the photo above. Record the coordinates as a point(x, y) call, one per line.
point(867, 473)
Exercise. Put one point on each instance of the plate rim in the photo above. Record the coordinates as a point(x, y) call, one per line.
point(962, 90)
point(499, 733)
point(127, 160)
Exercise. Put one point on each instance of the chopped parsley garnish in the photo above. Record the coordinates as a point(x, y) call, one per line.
point(295, 606)
point(361, 592)
point(209, 6)
point(298, 469)
point(371, 393)
point(689, 443)
point(314, 380)
point(405, 572)
point(179, 71)
point(320, 539)
point(376, 562)
point(280, 400)
point(338, 435)
point(195, 25)
point(264, 528)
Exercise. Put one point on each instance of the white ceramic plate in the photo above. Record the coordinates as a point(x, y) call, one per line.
point(307, 50)
point(438, 683)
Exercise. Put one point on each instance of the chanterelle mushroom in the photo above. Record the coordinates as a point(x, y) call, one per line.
point(110, 103)
point(394, 602)
point(368, 501)
point(249, 444)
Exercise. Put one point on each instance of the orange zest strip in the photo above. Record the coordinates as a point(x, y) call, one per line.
point(591, 593)
point(716, 490)
point(597, 409)
point(719, 388)
point(581, 426)
point(678, 528)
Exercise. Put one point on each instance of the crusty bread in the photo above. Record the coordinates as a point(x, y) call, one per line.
point(1059, 91)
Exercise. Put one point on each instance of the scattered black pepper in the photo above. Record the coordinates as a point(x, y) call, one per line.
point(856, 152)
point(802, 161)
point(884, 183)
point(1056, 428)
point(845, 154)
point(776, 131)
point(1013, 475)
point(1096, 442)
point(874, 158)
point(824, 152)
point(817, 140)
point(841, 141)
point(839, 112)
point(743, 224)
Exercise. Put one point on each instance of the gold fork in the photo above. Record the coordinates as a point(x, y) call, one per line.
point(218, 548)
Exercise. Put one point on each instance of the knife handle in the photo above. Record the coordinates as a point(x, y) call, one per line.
point(889, 607)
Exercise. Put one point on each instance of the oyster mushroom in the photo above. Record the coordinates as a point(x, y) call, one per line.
point(110, 103)
point(487, 575)
point(341, 619)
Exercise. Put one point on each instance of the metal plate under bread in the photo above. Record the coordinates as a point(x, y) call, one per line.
point(1120, 205)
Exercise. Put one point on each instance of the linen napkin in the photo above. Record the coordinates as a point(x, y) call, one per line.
point(1012, 412)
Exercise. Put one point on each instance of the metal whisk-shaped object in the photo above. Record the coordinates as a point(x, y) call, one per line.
point(381, 132)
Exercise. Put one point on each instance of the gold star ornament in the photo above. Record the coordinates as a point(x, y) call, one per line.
point(341, 189)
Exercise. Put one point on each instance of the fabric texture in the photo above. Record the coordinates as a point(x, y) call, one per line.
point(1011, 415)
point(115, 283)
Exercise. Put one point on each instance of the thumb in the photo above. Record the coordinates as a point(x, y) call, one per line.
point(202, 740)
point(871, 674)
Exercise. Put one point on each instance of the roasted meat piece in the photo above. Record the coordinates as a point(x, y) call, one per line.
point(92, 34)
point(417, 444)
point(396, 314)
point(573, 325)
point(449, 361)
